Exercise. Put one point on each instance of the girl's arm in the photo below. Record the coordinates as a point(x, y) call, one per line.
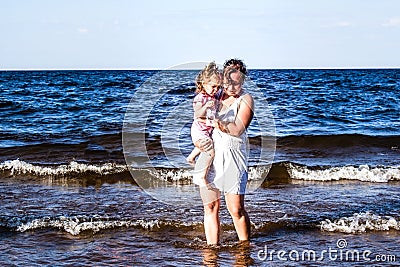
point(200, 111)
point(243, 118)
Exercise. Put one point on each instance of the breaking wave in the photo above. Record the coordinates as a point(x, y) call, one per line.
point(364, 173)
point(18, 167)
point(79, 224)
point(283, 172)
point(360, 223)
point(76, 225)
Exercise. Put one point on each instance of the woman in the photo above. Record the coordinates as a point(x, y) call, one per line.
point(228, 173)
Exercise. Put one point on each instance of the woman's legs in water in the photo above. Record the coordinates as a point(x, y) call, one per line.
point(241, 220)
point(211, 204)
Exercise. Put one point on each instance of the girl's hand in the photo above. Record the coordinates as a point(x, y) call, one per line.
point(210, 104)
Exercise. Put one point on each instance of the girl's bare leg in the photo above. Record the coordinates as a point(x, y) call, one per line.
point(192, 156)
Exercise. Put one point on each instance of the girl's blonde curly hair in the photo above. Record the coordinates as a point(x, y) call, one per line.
point(205, 75)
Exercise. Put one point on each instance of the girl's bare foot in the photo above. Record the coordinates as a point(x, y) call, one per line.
point(191, 160)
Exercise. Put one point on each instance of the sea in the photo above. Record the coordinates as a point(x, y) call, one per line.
point(93, 170)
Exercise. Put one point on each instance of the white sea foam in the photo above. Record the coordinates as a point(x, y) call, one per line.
point(19, 167)
point(258, 173)
point(174, 175)
point(361, 222)
point(16, 167)
point(363, 173)
point(77, 225)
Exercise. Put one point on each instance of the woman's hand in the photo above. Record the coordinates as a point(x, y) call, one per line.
point(220, 126)
point(205, 144)
point(242, 120)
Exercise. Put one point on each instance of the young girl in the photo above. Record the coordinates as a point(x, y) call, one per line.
point(208, 82)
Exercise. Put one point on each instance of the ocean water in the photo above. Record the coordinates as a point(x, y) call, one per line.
point(70, 162)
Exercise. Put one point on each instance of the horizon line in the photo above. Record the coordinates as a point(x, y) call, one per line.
point(161, 69)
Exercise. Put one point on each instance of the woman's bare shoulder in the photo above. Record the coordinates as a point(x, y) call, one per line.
point(247, 98)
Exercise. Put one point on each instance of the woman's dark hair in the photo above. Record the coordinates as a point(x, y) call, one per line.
point(236, 64)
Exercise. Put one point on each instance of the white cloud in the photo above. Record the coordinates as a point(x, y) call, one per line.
point(392, 22)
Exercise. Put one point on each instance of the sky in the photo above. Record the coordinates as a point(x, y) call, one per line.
point(149, 34)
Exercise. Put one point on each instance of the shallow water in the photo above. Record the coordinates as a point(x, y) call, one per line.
point(120, 224)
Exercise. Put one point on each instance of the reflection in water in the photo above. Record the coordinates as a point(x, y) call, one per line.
point(242, 254)
point(210, 256)
point(240, 251)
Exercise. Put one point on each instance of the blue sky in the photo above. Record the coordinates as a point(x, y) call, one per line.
point(128, 34)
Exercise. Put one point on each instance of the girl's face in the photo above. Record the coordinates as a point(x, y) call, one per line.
point(234, 86)
point(211, 86)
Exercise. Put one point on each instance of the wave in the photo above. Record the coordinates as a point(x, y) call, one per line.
point(327, 150)
point(283, 172)
point(107, 172)
point(364, 173)
point(286, 172)
point(18, 167)
point(76, 225)
point(81, 224)
point(74, 173)
point(360, 223)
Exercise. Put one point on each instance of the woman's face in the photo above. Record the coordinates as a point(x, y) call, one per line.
point(212, 86)
point(233, 87)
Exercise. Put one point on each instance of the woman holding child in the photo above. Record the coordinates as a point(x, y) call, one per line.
point(228, 172)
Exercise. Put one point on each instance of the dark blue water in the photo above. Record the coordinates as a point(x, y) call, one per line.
point(71, 106)
point(64, 106)
point(67, 197)
point(320, 102)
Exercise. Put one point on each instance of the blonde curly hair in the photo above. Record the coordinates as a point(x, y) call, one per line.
point(206, 75)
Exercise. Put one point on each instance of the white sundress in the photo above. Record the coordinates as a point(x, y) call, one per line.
point(229, 172)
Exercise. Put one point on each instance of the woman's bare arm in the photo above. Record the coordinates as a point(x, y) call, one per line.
point(243, 118)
